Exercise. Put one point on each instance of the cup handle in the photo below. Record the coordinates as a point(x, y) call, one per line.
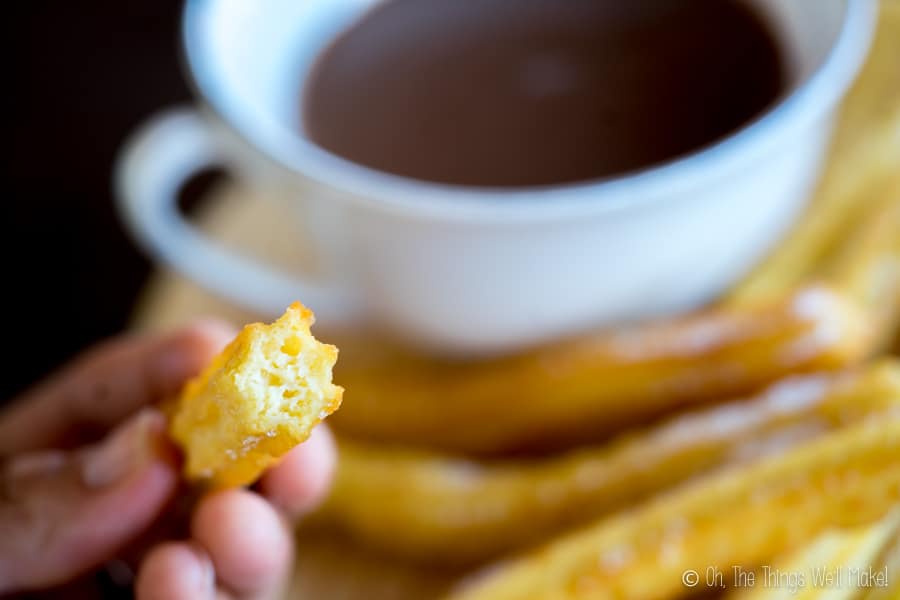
point(158, 159)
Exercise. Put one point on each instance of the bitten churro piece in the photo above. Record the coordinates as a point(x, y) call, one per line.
point(258, 399)
point(445, 510)
point(841, 564)
point(745, 517)
point(603, 382)
point(865, 157)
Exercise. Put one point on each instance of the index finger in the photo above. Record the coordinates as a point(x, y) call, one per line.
point(107, 384)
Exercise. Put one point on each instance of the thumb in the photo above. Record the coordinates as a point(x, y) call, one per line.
point(62, 513)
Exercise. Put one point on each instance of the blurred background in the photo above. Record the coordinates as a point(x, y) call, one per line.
point(83, 76)
point(80, 77)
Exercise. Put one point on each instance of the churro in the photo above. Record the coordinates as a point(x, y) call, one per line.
point(445, 510)
point(741, 517)
point(841, 564)
point(257, 399)
point(867, 271)
point(601, 383)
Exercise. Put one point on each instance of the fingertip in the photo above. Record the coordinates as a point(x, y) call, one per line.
point(302, 479)
point(58, 520)
point(176, 571)
point(246, 539)
point(187, 350)
point(138, 442)
point(214, 333)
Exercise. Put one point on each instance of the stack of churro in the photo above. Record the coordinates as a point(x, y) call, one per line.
point(761, 433)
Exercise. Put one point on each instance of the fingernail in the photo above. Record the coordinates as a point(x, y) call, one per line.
point(31, 465)
point(176, 363)
point(122, 452)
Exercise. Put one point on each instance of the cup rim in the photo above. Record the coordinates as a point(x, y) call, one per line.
point(635, 190)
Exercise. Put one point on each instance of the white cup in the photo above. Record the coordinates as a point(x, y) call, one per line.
point(464, 269)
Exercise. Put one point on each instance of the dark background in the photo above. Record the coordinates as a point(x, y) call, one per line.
point(80, 75)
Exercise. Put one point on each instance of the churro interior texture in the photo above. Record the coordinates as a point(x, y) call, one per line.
point(285, 370)
point(257, 400)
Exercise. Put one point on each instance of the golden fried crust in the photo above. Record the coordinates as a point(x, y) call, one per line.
point(838, 552)
point(867, 271)
point(601, 383)
point(743, 517)
point(890, 562)
point(255, 401)
point(445, 510)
